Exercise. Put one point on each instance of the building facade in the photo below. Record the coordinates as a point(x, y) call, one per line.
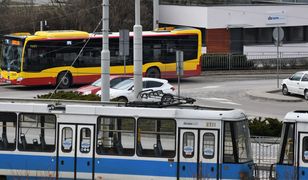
point(241, 26)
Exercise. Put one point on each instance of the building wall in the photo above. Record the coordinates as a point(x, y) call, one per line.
point(218, 41)
point(214, 17)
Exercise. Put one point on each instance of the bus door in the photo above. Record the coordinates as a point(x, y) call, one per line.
point(198, 154)
point(75, 151)
point(303, 156)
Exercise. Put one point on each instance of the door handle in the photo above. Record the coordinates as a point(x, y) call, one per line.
point(183, 168)
point(303, 173)
point(62, 162)
point(88, 163)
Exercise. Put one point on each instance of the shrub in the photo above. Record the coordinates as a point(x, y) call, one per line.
point(265, 127)
point(69, 96)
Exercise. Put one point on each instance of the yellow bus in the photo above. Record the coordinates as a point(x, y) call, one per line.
point(47, 56)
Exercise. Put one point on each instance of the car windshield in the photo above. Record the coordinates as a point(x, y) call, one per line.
point(124, 84)
point(97, 83)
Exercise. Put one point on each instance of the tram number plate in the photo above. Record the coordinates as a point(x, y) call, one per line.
point(210, 124)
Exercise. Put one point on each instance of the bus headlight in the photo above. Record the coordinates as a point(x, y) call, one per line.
point(20, 79)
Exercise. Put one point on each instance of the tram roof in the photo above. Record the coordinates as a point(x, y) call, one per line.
point(119, 109)
point(297, 116)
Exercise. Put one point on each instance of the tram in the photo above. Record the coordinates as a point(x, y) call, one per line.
point(293, 155)
point(115, 141)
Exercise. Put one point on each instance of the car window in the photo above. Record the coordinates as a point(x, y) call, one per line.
point(296, 77)
point(305, 77)
point(152, 84)
point(97, 83)
point(124, 84)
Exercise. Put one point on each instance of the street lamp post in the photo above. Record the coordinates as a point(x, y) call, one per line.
point(137, 53)
point(105, 55)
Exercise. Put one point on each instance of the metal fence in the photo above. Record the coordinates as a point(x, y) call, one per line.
point(254, 61)
point(265, 151)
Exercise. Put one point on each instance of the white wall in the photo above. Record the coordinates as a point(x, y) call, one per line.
point(233, 16)
point(183, 15)
point(270, 51)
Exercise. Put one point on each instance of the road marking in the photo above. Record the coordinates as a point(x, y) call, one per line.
point(221, 100)
point(210, 87)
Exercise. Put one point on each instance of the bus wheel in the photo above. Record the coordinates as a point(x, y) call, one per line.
point(153, 72)
point(64, 80)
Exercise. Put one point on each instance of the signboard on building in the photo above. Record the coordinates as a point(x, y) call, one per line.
point(276, 18)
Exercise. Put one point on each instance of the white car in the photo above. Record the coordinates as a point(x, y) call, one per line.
point(296, 84)
point(124, 91)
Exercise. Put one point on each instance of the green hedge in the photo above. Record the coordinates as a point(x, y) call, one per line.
point(265, 127)
point(70, 95)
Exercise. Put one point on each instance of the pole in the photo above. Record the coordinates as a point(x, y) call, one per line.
point(155, 14)
point(41, 25)
point(137, 53)
point(105, 55)
point(277, 63)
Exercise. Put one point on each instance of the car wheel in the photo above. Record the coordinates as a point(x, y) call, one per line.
point(122, 99)
point(306, 94)
point(285, 90)
point(64, 80)
point(153, 72)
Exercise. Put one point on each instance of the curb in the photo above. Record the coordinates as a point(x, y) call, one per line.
point(267, 95)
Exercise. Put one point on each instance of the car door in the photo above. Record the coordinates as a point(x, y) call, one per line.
point(293, 84)
point(303, 84)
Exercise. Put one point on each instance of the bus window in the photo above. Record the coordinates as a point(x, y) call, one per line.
point(116, 136)
point(156, 137)
point(287, 147)
point(37, 132)
point(7, 131)
point(237, 142)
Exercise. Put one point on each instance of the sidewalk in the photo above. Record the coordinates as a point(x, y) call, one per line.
point(272, 94)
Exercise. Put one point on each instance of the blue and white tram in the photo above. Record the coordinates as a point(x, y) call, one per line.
point(293, 156)
point(80, 141)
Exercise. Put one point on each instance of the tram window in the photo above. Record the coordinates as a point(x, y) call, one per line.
point(287, 150)
point(37, 132)
point(305, 149)
point(7, 131)
point(208, 150)
point(116, 136)
point(67, 139)
point(188, 145)
point(236, 142)
point(156, 138)
point(85, 140)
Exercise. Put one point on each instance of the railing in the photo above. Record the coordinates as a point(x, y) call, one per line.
point(265, 151)
point(253, 61)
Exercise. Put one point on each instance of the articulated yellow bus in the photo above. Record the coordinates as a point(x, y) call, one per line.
point(48, 56)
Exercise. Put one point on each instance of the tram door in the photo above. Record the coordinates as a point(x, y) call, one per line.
point(198, 154)
point(75, 151)
point(303, 156)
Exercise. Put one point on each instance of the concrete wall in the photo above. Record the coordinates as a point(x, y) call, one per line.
point(234, 16)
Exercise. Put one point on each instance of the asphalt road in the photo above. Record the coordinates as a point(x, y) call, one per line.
point(210, 90)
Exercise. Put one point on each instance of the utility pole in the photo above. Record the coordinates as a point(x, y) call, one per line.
point(155, 14)
point(105, 55)
point(137, 53)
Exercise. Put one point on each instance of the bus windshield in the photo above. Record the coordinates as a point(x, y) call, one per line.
point(11, 57)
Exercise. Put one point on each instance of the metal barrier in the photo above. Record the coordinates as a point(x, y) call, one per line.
point(265, 151)
point(268, 60)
